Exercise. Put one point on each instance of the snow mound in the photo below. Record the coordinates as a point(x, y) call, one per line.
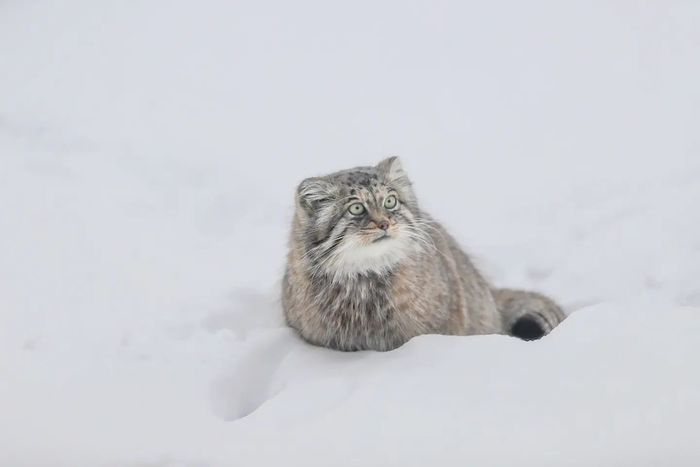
point(606, 388)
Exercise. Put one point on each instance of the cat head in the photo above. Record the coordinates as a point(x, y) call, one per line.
point(359, 220)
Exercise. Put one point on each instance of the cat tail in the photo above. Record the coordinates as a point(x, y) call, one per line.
point(527, 315)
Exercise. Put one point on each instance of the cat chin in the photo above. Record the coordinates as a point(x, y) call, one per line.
point(378, 257)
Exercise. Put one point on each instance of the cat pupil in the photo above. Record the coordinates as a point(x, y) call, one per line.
point(357, 209)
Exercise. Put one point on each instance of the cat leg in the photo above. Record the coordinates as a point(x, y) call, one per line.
point(527, 315)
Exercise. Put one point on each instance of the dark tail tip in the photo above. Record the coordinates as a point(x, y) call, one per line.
point(527, 328)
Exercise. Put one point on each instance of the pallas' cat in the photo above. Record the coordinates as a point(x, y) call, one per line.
point(368, 269)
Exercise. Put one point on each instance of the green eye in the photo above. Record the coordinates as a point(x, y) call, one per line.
point(356, 209)
point(391, 202)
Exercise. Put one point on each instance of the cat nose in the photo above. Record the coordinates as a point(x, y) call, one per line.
point(383, 224)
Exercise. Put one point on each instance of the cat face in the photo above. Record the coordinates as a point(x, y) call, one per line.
point(359, 220)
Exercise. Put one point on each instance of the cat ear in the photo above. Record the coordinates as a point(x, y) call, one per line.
point(393, 171)
point(313, 191)
point(394, 174)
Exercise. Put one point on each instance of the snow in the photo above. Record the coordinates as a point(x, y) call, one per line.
point(148, 156)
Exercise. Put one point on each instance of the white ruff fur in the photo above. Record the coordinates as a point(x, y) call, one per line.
point(355, 257)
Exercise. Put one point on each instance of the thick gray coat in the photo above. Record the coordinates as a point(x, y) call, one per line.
point(348, 288)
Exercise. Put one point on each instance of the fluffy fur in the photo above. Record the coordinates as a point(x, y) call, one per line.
point(376, 279)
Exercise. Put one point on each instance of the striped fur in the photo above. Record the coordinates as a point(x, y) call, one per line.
point(352, 285)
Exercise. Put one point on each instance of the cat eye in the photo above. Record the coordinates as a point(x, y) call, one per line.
point(356, 209)
point(391, 202)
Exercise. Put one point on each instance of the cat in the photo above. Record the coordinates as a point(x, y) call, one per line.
point(367, 269)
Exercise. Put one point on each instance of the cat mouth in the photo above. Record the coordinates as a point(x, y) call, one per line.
point(384, 236)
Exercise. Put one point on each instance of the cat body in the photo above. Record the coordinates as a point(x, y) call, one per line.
point(368, 270)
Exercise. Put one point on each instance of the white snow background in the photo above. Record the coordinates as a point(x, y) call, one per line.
point(149, 151)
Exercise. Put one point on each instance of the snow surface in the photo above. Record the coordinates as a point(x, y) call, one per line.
point(148, 155)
